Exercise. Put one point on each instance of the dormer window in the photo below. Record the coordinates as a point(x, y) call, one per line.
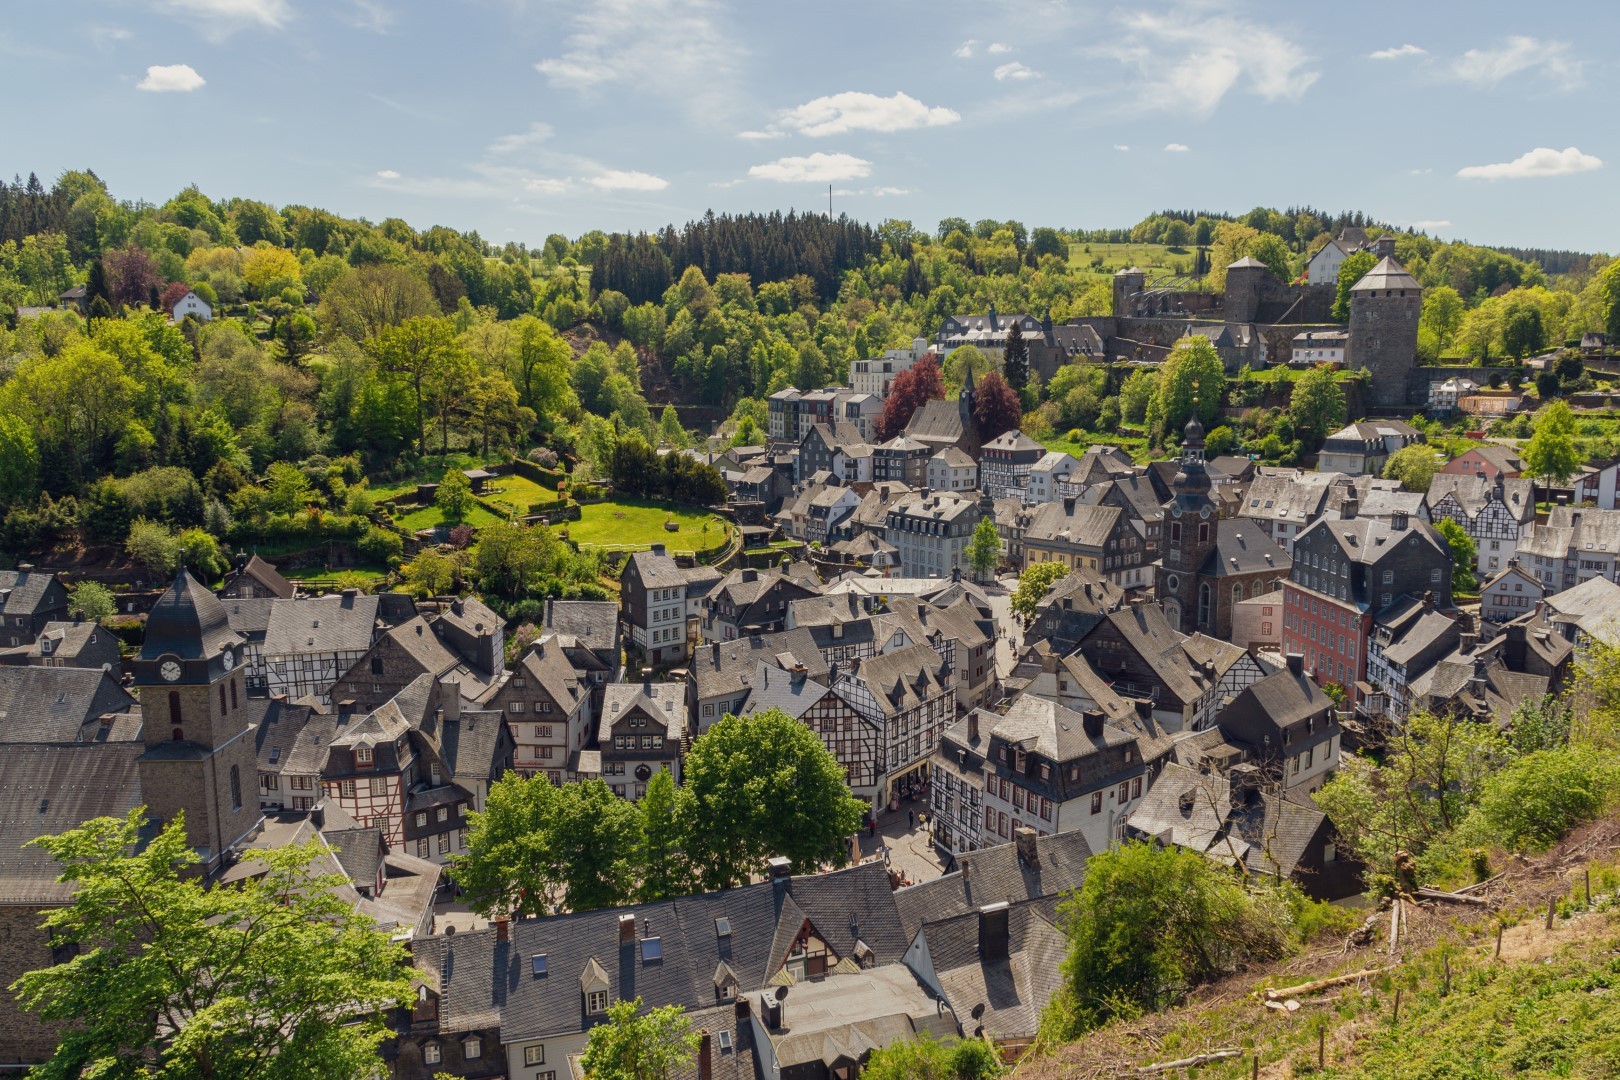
point(472, 1048)
point(362, 755)
point(596, 1002)
point(432, 1053)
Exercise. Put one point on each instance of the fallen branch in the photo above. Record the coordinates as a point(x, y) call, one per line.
point(1451, 898)
point(1281, 992)
point(1191, 1062)
point(1481, 884)
point(1394, 925)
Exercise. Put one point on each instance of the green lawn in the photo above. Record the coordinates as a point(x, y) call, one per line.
point(430, 471)
point(517, 492)
point(320, 577)
point(1134, 445)
point(429, 516)
point(638, 523)
point(1156, 259)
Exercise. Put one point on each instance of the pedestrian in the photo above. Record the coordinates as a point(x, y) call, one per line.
point(911, 819)
point(871, 825)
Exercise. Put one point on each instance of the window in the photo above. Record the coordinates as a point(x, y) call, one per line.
point(443, 814)
point(1136, 788)
point(174, 712)
point(421, 819)
point(515, 707)
point(346, 788)
point(534, 1054)
point(1096, 802)
point(444, 843)
point(362, 754)
point(1330, 853)
point(432, 1054)
point(472, 1048)
point(1125, 792)
point(236, 789)
point(596, 1002)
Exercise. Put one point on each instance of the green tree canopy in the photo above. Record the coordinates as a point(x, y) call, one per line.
point(1033, 585)
point(984, 550)
point(1463, 554)
point(454, 497)
point(636, 1046)
point(1352, 270)
point(1552, 452)
point(1316, 405)
point(1414, 466)
point(1192, 373)
point(274, 976)
point(91, 601)
point(761, 786)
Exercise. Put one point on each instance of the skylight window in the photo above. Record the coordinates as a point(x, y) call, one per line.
point(652, 949)
point(722, 926)
point(537, 964)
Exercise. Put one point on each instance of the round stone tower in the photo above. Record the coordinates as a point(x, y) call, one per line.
point(1384, 309)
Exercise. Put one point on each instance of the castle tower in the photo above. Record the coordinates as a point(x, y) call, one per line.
point(200, 756)
point(1384, 309)
point(1190, 524)
point(1128, 285)
point(1241, 300)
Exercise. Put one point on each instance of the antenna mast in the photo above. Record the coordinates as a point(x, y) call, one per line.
point(829, 202)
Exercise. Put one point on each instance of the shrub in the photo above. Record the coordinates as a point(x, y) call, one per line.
point(1539, 798)
point(379, 545)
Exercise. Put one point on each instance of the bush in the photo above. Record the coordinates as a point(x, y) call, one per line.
point(380, 545)
point(1539, 798)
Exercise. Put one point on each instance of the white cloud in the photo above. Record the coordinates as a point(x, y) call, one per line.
point(1541, 161)
point(546, 185)
point(669, 50)
point(1487, 67)
point(854, 110)
point(1122, 148)
point(538, 132)
point(999, 47)
point(171, 79)
point(882, 191)
point(761, 135)
point(226, 15)
point(1421, 172)
point(1397, 53)
point(372, 15)
point(105, 37)
point(1015, 70)
point(1176, 148)
point(965, 50)
point(1427, 226)
point(628, 180)
point(1188, 63)
point(387, 174)
point(814, 168)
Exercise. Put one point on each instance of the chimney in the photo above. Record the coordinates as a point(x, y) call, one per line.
point(660, 549)
point(1244, 782)
point(1348, 510)
point(1024, 841)
point(993, 931)
point(1466, 643)
point(1296, 664)
point(1144, 708)
point(973, 726)
point(1428, 599)
point(627, 929)
point(646, 678)
point(705, 1056)
point(452, 702)
point(502, 929)
point(1092, 721)
point(780, 871)
point(750, 574)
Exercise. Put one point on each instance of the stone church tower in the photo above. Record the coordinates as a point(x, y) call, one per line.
point(1190, 523)
point(200, 753)
point(1384, 309)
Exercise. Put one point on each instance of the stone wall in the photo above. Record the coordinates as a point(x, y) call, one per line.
point(1383, 341)
point(24, 947)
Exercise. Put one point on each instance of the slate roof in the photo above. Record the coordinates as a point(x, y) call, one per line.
point(23, 592)
point(1420, 637)
point(472, 973)
point(793, 693)
point(1475, 493)
point(473, 747)
point(663, 702)
point(656, 571)
point(50, 789)
point(188, 621)
point(995, 874)
point(1388, 274)
point(1292, 496)
point(727, 668)
point(831, 610)
point(269, 577)
point(1072, 522)
point(335, 623)
point(846, 907)
point(250, 618)
point(68, 638)
point(904, 678)
point(1268, 833)
point(1176, 661)
point(848, 1014)
point(1275, 704)
point(595, 623)
point(1053, 731)
point(954, 457)
point(936, 421)
point(1014, 991)
point(277, 725)
point(65, 705)
point(1242, 547)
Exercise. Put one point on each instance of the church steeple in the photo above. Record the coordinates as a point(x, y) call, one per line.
point(964, 403)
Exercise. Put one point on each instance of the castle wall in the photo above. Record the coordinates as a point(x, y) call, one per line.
point(1383, 341)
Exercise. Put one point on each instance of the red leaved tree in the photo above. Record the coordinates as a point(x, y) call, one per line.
point(911, 391)
point(995, 407)
point(172, 295)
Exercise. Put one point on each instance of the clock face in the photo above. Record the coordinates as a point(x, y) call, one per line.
point(228, 659)
point(170, 671)
point(1203, 511)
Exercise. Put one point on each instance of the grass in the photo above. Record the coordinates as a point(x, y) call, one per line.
point(429, 470)
point(1134, 445)
point(429, 516)
point(320, 577)
point(638, 523)
point(517, 493)
point(1153, 258)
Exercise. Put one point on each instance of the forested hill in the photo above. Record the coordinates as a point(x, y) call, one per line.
point(766, 247)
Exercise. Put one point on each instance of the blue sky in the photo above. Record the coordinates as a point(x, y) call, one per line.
point(519, 118)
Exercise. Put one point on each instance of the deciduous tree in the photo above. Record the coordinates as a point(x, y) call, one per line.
point(454, 497)
point(912, 389)
point(272, 977)
point(984, 550)
point(1552, 452)
point(1414, 466)
point(995, 407)
point(761, 786)
point(632, 1046)
point(1316, 405)
point(1034, 584)
point(1462, 554)
point(1192, 373)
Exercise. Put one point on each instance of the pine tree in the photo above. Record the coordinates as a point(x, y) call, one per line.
point(1015, 359)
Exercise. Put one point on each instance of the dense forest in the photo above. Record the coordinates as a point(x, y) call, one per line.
point(345, 352)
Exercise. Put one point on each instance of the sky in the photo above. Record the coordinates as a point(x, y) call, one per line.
point(1481, 121)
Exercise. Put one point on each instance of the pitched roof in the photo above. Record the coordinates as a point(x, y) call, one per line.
point(49, 789)
point(1072, 522)
point(335, 623)
point(904, 678)
point(1388, 274)
point(662, 702)
point(187, 621)
point(24, 592)
point(995, 874)
point(1242, 547)
point(656, 571)
point(725, 668)
point(954, 457)
point(65, 705)
point(1014, 991)
point(1475, 493)
point(269, 577)
point(1053, 731)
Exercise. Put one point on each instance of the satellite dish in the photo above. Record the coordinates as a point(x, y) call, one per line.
point(781, 993)
point(977, 1011)
point(978, 1032)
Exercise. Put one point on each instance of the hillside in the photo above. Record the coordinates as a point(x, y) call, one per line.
point(1549, 1006)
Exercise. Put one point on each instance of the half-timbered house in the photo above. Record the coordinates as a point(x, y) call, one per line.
point(1493, 510)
